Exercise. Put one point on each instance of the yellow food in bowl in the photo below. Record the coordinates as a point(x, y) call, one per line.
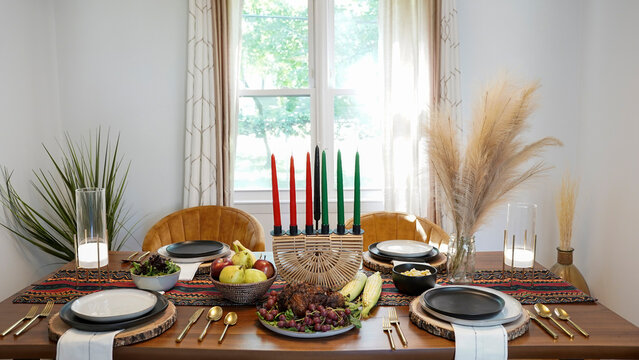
point(415, 272)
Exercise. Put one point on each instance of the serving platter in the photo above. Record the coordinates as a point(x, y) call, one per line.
point(404, 248)
point(194, 248)
point(113, 305)
point(82, 324)
point(512, 311)
point(467, 302)
point(226, 251)
point(305, 335)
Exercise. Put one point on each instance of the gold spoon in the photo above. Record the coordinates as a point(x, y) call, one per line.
point(543, 311)
point(214, 314)
point(230, 319)
point(563, 315)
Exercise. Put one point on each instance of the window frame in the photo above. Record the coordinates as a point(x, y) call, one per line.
point(321, 92)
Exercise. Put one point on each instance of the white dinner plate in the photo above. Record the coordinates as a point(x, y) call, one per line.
point(114, 305)
point(404, 248)
point(512, 310)
point(226, 251)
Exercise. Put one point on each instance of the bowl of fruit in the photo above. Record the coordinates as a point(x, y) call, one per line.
point(157, 273)
point(242, 278)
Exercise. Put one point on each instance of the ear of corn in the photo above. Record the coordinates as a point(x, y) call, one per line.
point(372, 291)
point(354, 288)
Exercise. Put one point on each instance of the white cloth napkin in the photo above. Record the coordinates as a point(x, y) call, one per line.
point(188, 271)
point(480, 343)
point(76, 344)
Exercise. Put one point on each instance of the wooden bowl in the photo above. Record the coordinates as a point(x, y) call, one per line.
point(245, 293)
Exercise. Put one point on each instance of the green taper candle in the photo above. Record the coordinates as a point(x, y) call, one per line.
point(325, 226)
point(356, 199)
point(340, 194)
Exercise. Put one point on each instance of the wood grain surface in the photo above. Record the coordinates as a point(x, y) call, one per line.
point(386, 268)
point(438, 327)
point(143, 332)
point(611, 336)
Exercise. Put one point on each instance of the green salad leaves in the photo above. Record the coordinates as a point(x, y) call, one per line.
point(156, 265)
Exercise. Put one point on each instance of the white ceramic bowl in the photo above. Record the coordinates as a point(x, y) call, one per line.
point(156, 283)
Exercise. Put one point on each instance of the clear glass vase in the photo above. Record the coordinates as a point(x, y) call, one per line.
point(92, 243)
point(461, 259)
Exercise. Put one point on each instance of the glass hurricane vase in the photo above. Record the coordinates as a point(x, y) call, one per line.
point(461, 259)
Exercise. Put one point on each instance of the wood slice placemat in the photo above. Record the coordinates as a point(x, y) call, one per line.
point(137, 334)
point(444, 329)
point(386, 268)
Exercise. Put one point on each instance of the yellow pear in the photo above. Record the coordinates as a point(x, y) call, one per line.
point(243, 256)
point(232, 274)
point(253, 276)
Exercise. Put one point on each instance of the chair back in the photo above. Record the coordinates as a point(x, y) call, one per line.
point(221, 223)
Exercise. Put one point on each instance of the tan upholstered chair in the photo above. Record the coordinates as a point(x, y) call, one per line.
point(383, 225)
point(221, 223)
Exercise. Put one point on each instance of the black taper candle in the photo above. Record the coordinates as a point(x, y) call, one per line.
point(317, 213)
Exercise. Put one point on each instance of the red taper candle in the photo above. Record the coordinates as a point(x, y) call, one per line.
point(293, 226)
point(309, 195)
point(277, 221)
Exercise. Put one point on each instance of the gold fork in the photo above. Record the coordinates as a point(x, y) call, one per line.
point(394, 320)
point(130, 258)
point(45, 312)
point(29, 316)
point(386, 326)
point(142, 256)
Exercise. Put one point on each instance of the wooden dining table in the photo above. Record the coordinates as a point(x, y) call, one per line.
point(611, 336)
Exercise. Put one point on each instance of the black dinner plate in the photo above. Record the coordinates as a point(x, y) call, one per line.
point(377, 255)
point(81, 324)
point(195, 248)
point(463, 302)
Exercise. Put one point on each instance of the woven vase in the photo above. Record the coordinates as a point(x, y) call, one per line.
point(565, 269)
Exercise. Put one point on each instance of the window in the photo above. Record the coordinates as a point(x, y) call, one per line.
point(308, 75)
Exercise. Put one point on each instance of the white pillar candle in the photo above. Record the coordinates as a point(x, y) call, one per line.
point(523, 258)
point(88, 255)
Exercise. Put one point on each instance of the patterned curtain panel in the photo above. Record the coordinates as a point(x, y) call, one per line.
point(447, 91)
point(211, 105)
point(200, 166)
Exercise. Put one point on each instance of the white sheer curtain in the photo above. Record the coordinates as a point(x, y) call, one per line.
point(405, 30)
point(419, 45)
point(211, 101)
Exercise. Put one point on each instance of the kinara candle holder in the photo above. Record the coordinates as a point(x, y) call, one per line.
point(330, 260)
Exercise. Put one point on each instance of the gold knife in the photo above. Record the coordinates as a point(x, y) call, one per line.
point(196, 315)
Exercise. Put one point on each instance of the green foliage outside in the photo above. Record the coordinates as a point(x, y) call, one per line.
point(275, 56)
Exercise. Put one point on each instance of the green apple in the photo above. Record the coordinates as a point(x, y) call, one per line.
point(253, 276)
point(232, 274)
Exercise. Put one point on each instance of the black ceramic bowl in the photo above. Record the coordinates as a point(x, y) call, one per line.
point(413, 285)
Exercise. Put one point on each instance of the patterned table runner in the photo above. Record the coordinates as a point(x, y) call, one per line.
point(547, 289)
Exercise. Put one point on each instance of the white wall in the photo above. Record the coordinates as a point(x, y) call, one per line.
point(28, 114)
point(531, 40)
point(585, 55)
point(605, 238)
point(122, 66)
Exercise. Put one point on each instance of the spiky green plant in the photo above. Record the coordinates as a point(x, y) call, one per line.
point(51, 228)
